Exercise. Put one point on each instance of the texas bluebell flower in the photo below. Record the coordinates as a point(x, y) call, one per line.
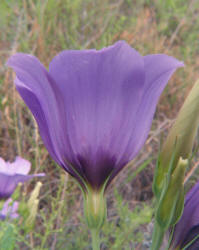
point(13, 173)
point(187, 229)
point(94, 110)
point(9, 210)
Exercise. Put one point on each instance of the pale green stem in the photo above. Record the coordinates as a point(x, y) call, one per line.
point(95, 239)
point(157, 238)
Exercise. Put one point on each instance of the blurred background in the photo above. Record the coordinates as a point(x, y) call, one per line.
point(44, 28)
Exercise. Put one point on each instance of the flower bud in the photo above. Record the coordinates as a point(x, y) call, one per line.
point(180, 138)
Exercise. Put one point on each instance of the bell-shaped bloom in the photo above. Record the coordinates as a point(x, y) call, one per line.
point(13, 173)
point(9, 210)
point(187, 229)
point(94, 108)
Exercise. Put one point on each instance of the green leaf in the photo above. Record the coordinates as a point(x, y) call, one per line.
point(171, 202)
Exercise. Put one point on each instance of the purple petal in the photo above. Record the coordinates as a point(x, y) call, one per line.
point(37, 89)
point(188, 224)
point(13, 173)
point(158, 70)
point(9, 209)
point(34, 105)
point(8, 183)
point(40, 94)
point(3, 166)
point(193, 234)
point(19, 166)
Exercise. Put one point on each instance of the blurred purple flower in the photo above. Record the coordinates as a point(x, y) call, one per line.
point(9, 210)
point(188, 226)
point(13, 173)
point(94, 108)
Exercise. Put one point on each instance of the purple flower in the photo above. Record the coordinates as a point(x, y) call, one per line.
point(188, 226)
point(9, 210)
point(94, 108)
point(13, 173)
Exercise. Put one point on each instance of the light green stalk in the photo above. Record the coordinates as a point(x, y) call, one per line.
point(95, 239)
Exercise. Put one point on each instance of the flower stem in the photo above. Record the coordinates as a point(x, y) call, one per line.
point(157, 238)
point(95, 239)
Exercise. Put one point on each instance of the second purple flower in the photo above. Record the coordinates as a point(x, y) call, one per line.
point(11, 174)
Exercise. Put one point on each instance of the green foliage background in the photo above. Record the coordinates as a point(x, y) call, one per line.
point(45, 27)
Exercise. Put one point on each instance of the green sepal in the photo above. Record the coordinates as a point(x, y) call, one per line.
point(160, 184)
point(95, 210)
point(179, 207)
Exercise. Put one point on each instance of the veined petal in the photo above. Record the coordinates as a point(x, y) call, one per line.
point(158, 70)
point(34, 105)
point(40, 94)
